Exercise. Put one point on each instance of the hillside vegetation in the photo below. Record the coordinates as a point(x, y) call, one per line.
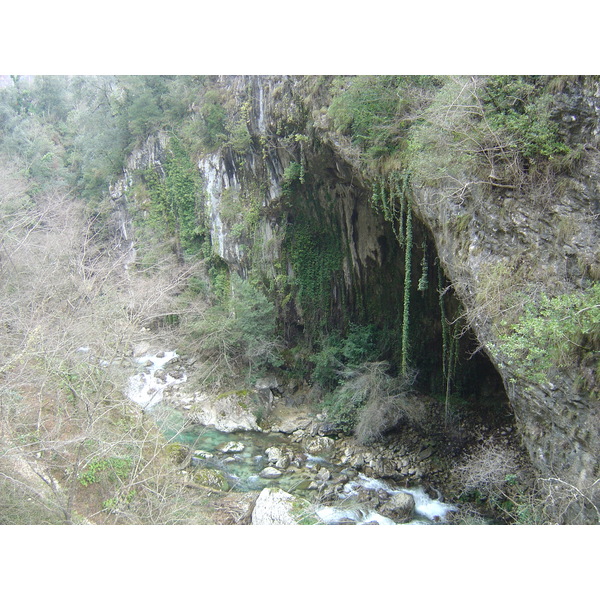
point(107, 240)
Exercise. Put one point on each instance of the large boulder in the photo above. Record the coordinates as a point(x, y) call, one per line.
point(276, 507)
point(231, 412)
point(318, 445)
point(211, 478)
point(399, 507)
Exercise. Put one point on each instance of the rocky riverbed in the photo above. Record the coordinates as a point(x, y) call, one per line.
point(273, 450)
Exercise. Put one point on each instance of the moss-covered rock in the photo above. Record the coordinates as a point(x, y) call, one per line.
point(211, 478)
point(177, 452)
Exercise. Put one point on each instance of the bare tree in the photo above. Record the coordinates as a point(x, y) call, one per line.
point(70, 442)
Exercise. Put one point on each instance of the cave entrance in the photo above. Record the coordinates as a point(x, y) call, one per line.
point(451, 365)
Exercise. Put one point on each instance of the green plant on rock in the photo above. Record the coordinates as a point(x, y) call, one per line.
point(368, 401)
point(404, 368)
point(423, 284)
point(376, 112)
point(113, 468)
point(337, 354)
point(518, 107)
point(293, 176)
point(316, 256)
point(552, 333)
point(240, 331)
point(176, 209)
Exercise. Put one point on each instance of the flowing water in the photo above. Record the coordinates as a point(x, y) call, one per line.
point(242, 463)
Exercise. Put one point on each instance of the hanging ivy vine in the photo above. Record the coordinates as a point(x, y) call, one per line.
point(391, 198)
point(407, 286)
point(423, 284)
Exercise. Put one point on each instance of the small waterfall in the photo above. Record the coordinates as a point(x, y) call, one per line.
point(262, 128)
point(426, 509)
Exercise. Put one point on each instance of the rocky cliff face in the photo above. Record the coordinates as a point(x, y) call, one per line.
point(295, 182)
point(550, 244)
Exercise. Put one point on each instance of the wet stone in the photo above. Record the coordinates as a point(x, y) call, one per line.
point(270, 473)
point(231, 447)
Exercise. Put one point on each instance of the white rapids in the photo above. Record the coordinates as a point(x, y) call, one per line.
point(146, 388)
point(427, 510)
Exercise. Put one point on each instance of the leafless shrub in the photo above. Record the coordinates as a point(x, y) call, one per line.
point(488, 469)
point(70, 315)
point(387, 400)
point(563, 502)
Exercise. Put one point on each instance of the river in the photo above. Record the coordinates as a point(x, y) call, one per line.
point(243, 456)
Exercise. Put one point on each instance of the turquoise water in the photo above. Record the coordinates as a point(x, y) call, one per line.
point(241, 468)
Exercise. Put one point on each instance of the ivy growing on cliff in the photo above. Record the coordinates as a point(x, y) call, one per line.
point(407, 287)
point(391, 196)
point(378, 111)
point(315, 255)
point(176, 200)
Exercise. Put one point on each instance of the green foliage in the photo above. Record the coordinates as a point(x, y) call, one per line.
point(241, 330)
point(176, 206)
point(518, 106)
point(113, 468)
point(376, 111)
point(337, 353)
point(553, 333)
point(19, 506)
point(423, 284)
point(292, 176)
point(183, 188)
point(143, 114)
point(389, 197)
point(241, 211)
point(368, 401)
point(212, 130)
point(404, 367)
point(327, 363)
point(316, 255)
point(220, 280)
point(499, 129)
point(119, 502)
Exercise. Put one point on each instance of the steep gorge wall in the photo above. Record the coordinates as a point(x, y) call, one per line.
point(553, 242)
point(295, 181)
point(494, 242)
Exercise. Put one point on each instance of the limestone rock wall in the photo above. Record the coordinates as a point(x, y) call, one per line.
point(551, 243)
point(548, 236)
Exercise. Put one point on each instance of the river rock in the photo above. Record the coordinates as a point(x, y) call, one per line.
point(276, 507)
point(211, 478)
point(267, 383)
point(324, 474)
point(225, 412)
point(400, 507)
point(141, 349)
point(231, 447)
point(278, 457)
point(203, 454)
point(270, 473)
point(291, 423)
point(425, 453)
point(273, 454)
point(318, 445)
